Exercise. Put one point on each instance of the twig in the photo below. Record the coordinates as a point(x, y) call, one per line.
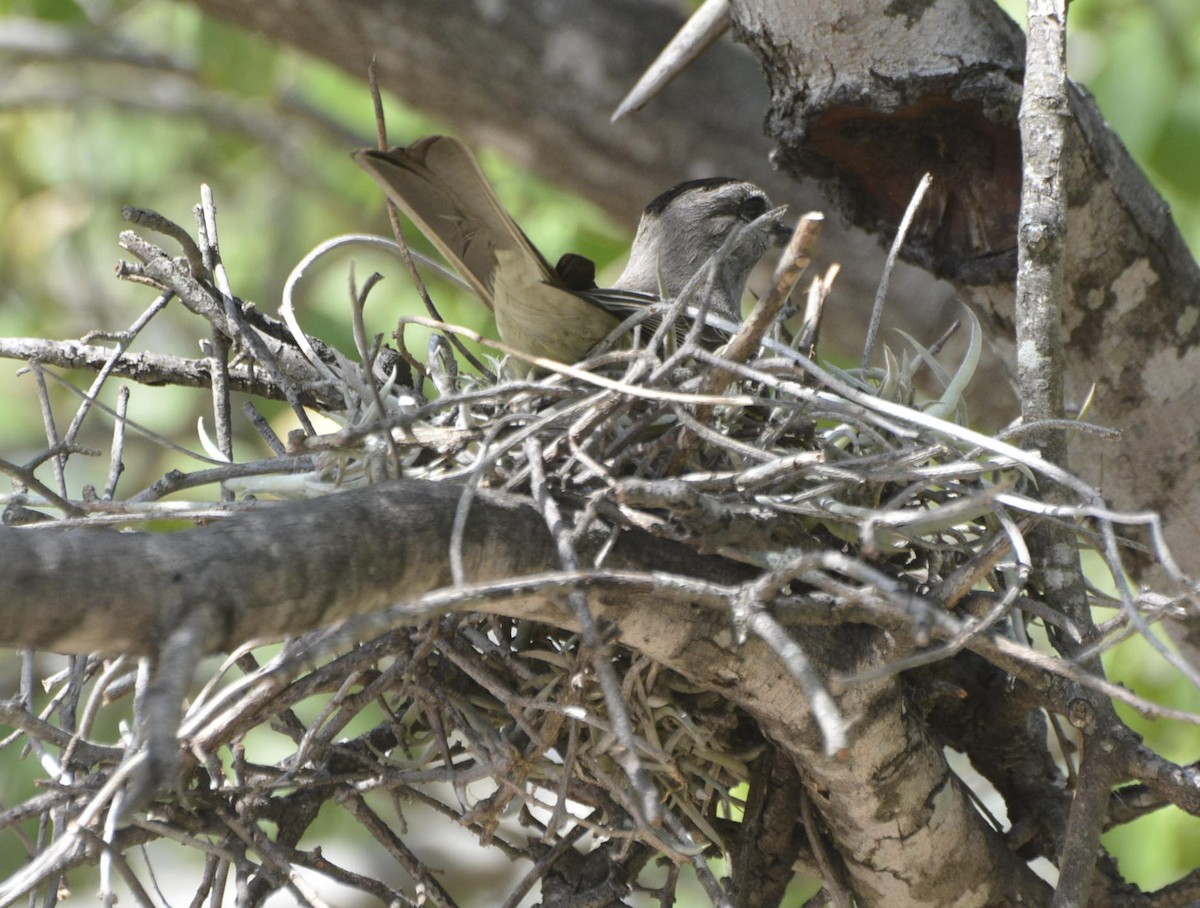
point(885, 279)
point(649, 811)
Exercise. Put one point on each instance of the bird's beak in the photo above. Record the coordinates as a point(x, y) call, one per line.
point(781, 232)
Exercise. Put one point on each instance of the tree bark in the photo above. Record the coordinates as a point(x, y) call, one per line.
point(281, 570)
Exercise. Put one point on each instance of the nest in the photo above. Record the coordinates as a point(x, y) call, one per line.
point(848, 497)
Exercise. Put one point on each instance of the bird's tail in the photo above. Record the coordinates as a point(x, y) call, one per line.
point(437, 182)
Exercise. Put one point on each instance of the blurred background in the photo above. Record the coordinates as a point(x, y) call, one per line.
point(107, 103)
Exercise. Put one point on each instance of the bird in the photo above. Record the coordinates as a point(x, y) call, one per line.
point(558, 312)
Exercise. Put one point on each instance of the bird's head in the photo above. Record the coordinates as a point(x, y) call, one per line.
point(684, 227)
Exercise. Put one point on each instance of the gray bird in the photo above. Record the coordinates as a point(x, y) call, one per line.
point(557, 312)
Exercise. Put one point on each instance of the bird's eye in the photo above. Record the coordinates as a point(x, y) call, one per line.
point(754, 207)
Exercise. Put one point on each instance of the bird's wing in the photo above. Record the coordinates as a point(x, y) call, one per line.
point(624, 303)
point(437, 182)
point(621, 303)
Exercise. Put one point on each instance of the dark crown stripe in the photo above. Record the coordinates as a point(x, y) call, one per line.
point(658, 205)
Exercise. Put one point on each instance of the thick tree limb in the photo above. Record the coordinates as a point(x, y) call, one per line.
point(280, 570)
